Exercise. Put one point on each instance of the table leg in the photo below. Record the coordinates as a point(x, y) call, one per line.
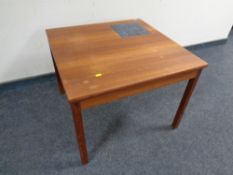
point(60, 86)
point(78, 122)
point(184, 102)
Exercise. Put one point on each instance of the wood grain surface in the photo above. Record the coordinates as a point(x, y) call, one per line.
point(93, 60)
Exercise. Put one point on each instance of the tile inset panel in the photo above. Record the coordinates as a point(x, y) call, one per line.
point(127, 30)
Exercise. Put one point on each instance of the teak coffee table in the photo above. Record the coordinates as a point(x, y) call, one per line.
point(99, 63)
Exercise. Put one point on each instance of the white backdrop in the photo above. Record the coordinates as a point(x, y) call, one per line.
point(23, 43)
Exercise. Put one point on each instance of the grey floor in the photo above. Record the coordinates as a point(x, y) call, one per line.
point(130, 136)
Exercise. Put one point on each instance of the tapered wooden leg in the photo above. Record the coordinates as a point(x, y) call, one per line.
point(60, 86)
point(78, 122)
point(184, 102)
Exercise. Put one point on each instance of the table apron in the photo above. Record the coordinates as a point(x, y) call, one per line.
point(137, 89)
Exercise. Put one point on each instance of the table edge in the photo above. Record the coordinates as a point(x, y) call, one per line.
point(81, 98)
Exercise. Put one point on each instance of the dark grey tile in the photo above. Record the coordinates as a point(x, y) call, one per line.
point(129, 29)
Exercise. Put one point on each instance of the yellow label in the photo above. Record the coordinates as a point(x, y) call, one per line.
point(98, 75)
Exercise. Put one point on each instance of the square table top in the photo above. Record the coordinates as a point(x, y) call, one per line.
point(99, 58)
